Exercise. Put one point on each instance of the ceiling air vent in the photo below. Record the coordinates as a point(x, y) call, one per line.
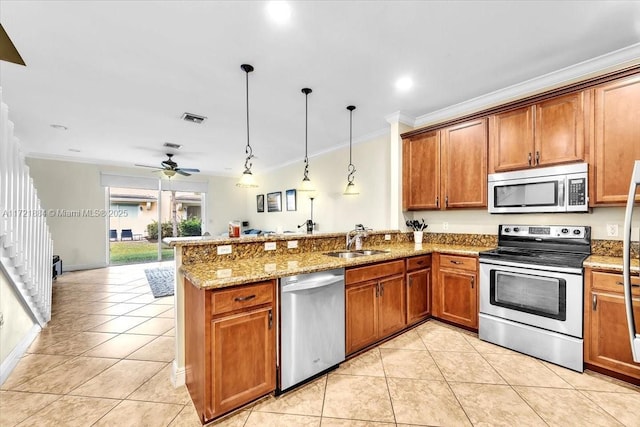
point(172, 145)
point(194, 118)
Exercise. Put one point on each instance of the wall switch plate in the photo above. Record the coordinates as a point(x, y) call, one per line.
point(445, 226)
point(612, 230)
point(224, 250)
point(270, 246)
point(292, 244)
point(387, 237)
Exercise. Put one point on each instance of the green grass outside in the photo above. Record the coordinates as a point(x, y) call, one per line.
point(134, 252)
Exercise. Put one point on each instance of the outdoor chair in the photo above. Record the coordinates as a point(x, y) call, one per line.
point(126, 233)
point(113, 235)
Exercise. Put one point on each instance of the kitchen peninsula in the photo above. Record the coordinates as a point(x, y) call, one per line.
point(206, 266)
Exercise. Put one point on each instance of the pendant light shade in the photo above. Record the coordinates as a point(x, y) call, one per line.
point(247, 179)
point(351, 189)
point(305, 185)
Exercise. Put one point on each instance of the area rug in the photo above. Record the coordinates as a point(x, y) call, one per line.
point(161, 281)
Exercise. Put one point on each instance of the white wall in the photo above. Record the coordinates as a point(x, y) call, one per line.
point(17, 321)
point(332, 211)
point(81, 242)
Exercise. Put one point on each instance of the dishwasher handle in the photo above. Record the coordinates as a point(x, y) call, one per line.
point(312, 284)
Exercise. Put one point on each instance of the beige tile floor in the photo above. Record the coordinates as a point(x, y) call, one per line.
point(105, 360)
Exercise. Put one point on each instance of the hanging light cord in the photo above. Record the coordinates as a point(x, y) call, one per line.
point(306, 92)
point(248, 151)
point(351, 168)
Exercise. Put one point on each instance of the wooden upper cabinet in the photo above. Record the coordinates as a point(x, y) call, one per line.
point(511, 139)
point(421, 171)
point(616, 140)
point(464, 165)
point(559, 130)
point(547, 133)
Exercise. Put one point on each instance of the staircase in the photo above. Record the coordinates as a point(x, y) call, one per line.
point(26, 248)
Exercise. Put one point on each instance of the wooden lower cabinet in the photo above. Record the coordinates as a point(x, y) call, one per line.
point(375, 303)
point(606, 343)
point(230, 350)
point(418, 288)
point(455, 290)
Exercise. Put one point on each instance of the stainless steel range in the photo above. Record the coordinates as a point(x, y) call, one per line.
point(532, 290)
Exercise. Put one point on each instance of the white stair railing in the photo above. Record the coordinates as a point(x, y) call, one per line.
point(26, 248)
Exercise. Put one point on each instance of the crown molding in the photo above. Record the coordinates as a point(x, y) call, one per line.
point(400, 117)
point(611, 61)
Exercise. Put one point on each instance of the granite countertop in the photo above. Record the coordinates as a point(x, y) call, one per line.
point(609, 263)
point(237, 272)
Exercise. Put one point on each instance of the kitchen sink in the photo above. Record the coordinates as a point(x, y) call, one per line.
point(345, 254)
point(354, 254)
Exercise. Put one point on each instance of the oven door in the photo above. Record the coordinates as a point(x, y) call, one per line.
point(532, 295)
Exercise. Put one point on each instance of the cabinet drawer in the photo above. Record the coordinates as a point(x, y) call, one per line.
point(242, 297)
point(611, 282)
point(417, 262)
point(371, 272)
point(458, 262)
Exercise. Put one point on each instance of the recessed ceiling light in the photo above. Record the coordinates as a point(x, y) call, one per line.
point(404, 83)
point(172, 145)
point(279, 11)
point(59, 127)
point(193, 118)
point(74, 150)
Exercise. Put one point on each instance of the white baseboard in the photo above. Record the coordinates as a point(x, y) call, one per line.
point(178, 375)
point(76, 267)
point(12, 359)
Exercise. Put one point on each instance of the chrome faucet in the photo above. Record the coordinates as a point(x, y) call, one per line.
point(361, 233)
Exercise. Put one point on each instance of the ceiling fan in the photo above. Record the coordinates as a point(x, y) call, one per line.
point(170, 168)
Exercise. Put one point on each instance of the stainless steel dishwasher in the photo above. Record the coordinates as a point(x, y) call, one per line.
point(312, 325)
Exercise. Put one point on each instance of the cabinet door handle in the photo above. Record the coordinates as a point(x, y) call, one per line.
point(473, 282)
point(437, 202)
point(381, 289)
point(410, 281)
point(377, 290)
point(529, 158)
point(247, 298)
point(270, 319)
point(452, 261)
point(537, 157)
point(594, 302)
point(635, 285)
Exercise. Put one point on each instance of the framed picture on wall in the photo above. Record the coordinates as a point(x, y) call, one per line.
point(274, 201)
point(291, 200)
point(260, 202)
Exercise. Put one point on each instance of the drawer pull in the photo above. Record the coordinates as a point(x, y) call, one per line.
point(420, 262)
point(455, 262)
point(243, 299)
point(635, 285)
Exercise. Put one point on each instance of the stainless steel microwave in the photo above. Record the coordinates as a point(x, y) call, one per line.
point(551, 189)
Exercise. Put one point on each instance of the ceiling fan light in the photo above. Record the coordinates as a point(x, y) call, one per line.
point(169, 172)
point(247, 180)
point(351, 190)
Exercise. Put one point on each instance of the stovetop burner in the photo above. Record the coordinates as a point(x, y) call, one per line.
point(561, 246)
point(541, 258)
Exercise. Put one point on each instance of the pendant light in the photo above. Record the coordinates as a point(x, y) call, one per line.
point(305, 185)
point(351, 189)
point(247, 179)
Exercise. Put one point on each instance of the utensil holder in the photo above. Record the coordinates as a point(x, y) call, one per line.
point(417, 236)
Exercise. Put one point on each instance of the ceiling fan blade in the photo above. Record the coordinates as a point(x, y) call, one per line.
point(192, 170)
point(147, 166)
point(182, 172)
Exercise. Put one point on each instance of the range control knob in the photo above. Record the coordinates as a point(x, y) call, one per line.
point(516, 229)
point(507, 229)
point(576, 231)
point(564, 230)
